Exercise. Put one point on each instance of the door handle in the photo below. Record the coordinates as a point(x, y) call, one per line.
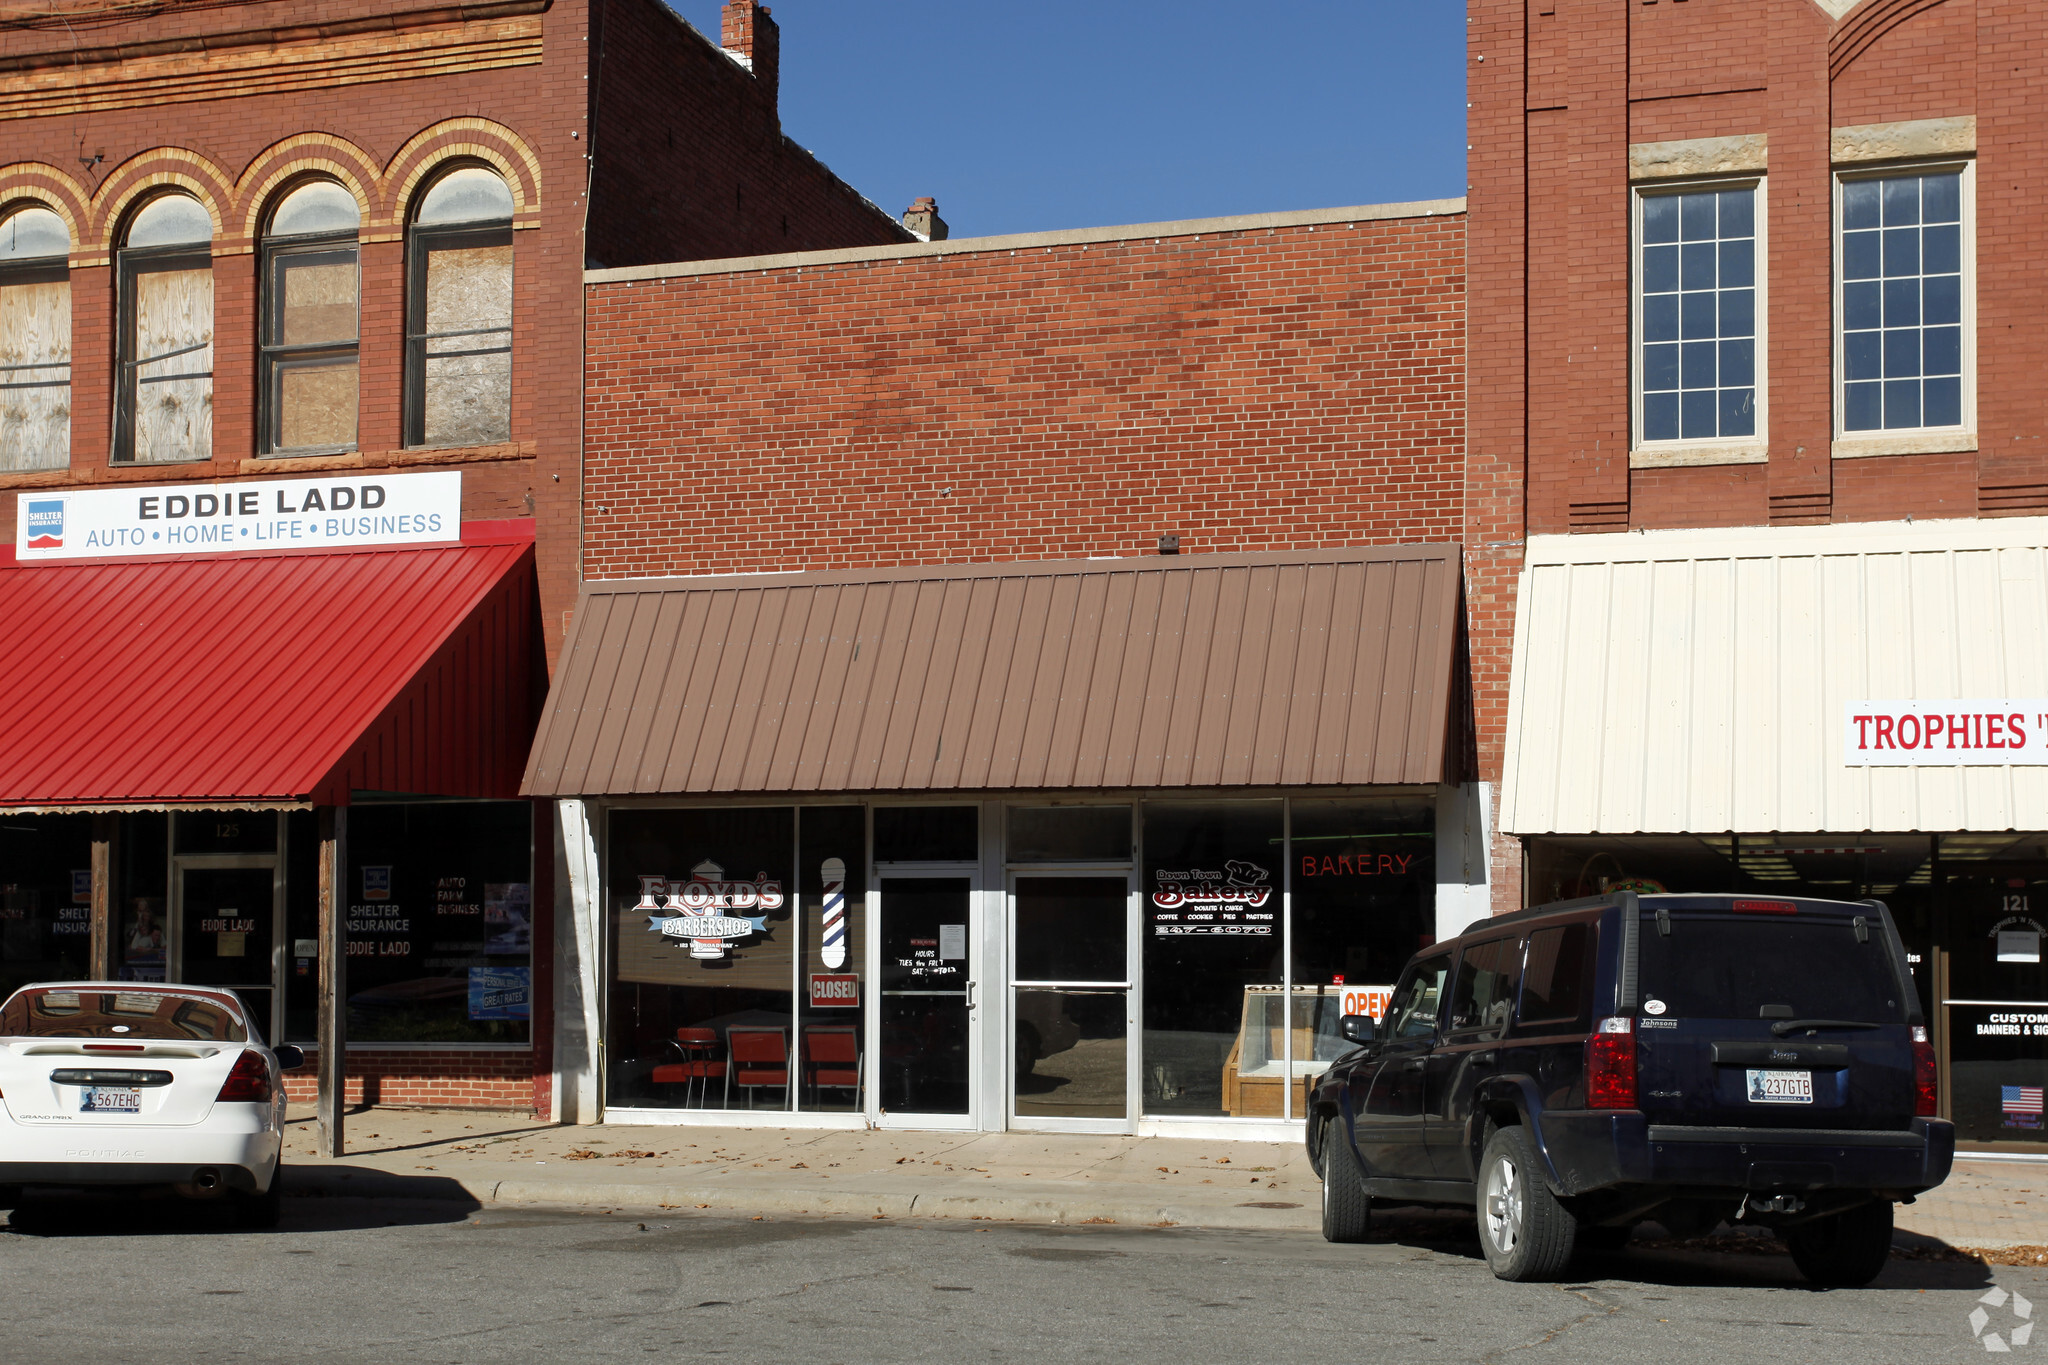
point(1414, 1064)
point(1485, 1058)
point(970, 995)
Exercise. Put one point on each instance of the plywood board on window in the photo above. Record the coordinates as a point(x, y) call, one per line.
point(35, 385)
point(174, 395)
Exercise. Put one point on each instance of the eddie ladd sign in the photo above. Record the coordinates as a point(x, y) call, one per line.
point(235, 518)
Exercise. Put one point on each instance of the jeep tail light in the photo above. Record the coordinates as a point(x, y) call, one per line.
point(249, 1082)
point(1611, 1065)
point(1766, 908)
point(1926, 1095)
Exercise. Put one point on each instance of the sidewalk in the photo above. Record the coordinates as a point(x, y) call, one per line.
point(1029, 1177)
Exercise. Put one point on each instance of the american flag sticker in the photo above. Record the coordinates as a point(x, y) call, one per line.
point(2021, 1102)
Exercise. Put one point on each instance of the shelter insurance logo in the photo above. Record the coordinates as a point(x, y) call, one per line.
point(45, 518)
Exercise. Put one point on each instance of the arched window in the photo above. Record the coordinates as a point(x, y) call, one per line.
point(165, 411)
point(311, 293)
point(458, 362)
point(35, 340)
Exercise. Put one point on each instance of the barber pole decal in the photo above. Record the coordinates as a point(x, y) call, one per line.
point(832, 949)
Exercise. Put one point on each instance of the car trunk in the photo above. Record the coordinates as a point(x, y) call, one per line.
point(76, 1083)
point(1712, 983)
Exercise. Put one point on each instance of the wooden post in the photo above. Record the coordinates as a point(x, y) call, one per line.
point(105, 828)
point(333, 1021)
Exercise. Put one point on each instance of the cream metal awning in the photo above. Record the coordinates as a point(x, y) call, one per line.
point(1694, 681)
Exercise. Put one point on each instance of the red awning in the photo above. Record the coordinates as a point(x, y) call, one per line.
point(269, 678)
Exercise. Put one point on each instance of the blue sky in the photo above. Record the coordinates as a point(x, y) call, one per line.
point(1026, 115)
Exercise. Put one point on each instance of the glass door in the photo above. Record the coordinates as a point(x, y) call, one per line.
point(1070, 1001)
point(225, 928)
point(927, 1032)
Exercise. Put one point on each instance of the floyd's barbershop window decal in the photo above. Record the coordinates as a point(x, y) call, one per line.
point(1235, 899)
point(713, 916)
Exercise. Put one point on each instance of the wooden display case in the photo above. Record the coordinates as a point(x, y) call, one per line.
point(1256, 1072)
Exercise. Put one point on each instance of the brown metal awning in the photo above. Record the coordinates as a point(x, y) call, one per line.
point(1312, 667)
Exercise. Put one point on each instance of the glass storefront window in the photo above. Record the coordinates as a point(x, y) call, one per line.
point(704, 957)
point(142, 892)
point(832, 1071)
point(440, 922)
point(1211, 880)
point(1995, 905)
point(1068, 834)
point(45, 899)
point(927, 834)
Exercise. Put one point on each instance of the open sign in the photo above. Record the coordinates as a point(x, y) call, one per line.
point(1369, 1000)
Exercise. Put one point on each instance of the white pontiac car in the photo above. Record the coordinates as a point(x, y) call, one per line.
point(130, 1085)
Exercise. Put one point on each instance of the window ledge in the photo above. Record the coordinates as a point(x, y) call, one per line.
point(1677, 454)
point(1904, 443)
point(383, 459)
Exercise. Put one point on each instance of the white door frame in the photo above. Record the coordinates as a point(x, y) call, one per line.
point(1133, 1070)
point(977, 1002)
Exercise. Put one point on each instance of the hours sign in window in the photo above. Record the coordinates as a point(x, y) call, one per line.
point(1698, 318)
point(1902, 302)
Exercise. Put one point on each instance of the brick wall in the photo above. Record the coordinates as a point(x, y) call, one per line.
point(441, 1080)
point(1558, 89)
point(692, 162)
point(1260, 388)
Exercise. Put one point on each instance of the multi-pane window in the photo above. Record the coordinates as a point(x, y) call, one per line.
point(35, 341)
point(165, 410)
point(459, 313)
point(1902, 302)
point(310, 317)
point(1697, 318)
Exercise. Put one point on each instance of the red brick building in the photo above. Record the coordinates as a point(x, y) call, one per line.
point(343, 247)
point(1060, 637)
point(1754, 411)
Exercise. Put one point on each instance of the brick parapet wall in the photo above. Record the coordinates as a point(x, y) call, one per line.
point(1279, 387)
point(435, 1079)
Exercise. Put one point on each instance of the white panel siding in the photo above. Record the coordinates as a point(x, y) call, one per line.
point(1693, 681)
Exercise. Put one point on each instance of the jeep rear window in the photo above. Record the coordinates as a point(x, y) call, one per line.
point(126, 1016)
point(1723, 966)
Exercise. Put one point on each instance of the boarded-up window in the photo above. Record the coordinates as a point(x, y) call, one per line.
point(311, 293)
point(166, 410)
point(459, 318)
point(35, 341)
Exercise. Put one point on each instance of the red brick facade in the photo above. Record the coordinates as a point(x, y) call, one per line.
point(1243, 387)
point(1559, 91)
point(234, 102)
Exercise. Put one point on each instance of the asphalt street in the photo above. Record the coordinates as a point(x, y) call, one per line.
point(420, 1282)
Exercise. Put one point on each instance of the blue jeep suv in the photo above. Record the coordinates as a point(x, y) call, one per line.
point(1572, 1070)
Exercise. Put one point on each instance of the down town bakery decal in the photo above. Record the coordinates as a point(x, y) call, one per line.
point(1234, 899)
point(713, 916)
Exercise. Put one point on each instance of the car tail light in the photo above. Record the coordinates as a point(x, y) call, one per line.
point(1611, 1066)
point(249, 1082)
point(1926, 1095)
point(1766, 908)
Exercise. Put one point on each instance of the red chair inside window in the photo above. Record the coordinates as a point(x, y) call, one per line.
point(760, 1057)
point(699, 1065)
point(832, 1059)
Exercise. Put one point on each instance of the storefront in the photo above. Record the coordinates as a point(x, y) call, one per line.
point(1840, 711)
point(1101, 847)
point(278, 770)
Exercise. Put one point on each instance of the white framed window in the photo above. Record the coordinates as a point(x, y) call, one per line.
point(1905, 309)
point(1699, 338)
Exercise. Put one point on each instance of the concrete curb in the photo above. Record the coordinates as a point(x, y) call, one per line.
point(1036, 1204)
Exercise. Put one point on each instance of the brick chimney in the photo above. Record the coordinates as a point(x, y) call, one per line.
point(748, 33)
point(922, 218)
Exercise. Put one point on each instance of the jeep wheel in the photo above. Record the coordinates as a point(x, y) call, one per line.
point(1846, 1251)
point(1347, 1213)
point(1525, 1232)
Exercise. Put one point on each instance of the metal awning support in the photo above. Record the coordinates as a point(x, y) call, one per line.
point(333, 1021)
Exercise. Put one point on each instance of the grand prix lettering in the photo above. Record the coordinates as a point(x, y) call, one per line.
point(703, 897)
